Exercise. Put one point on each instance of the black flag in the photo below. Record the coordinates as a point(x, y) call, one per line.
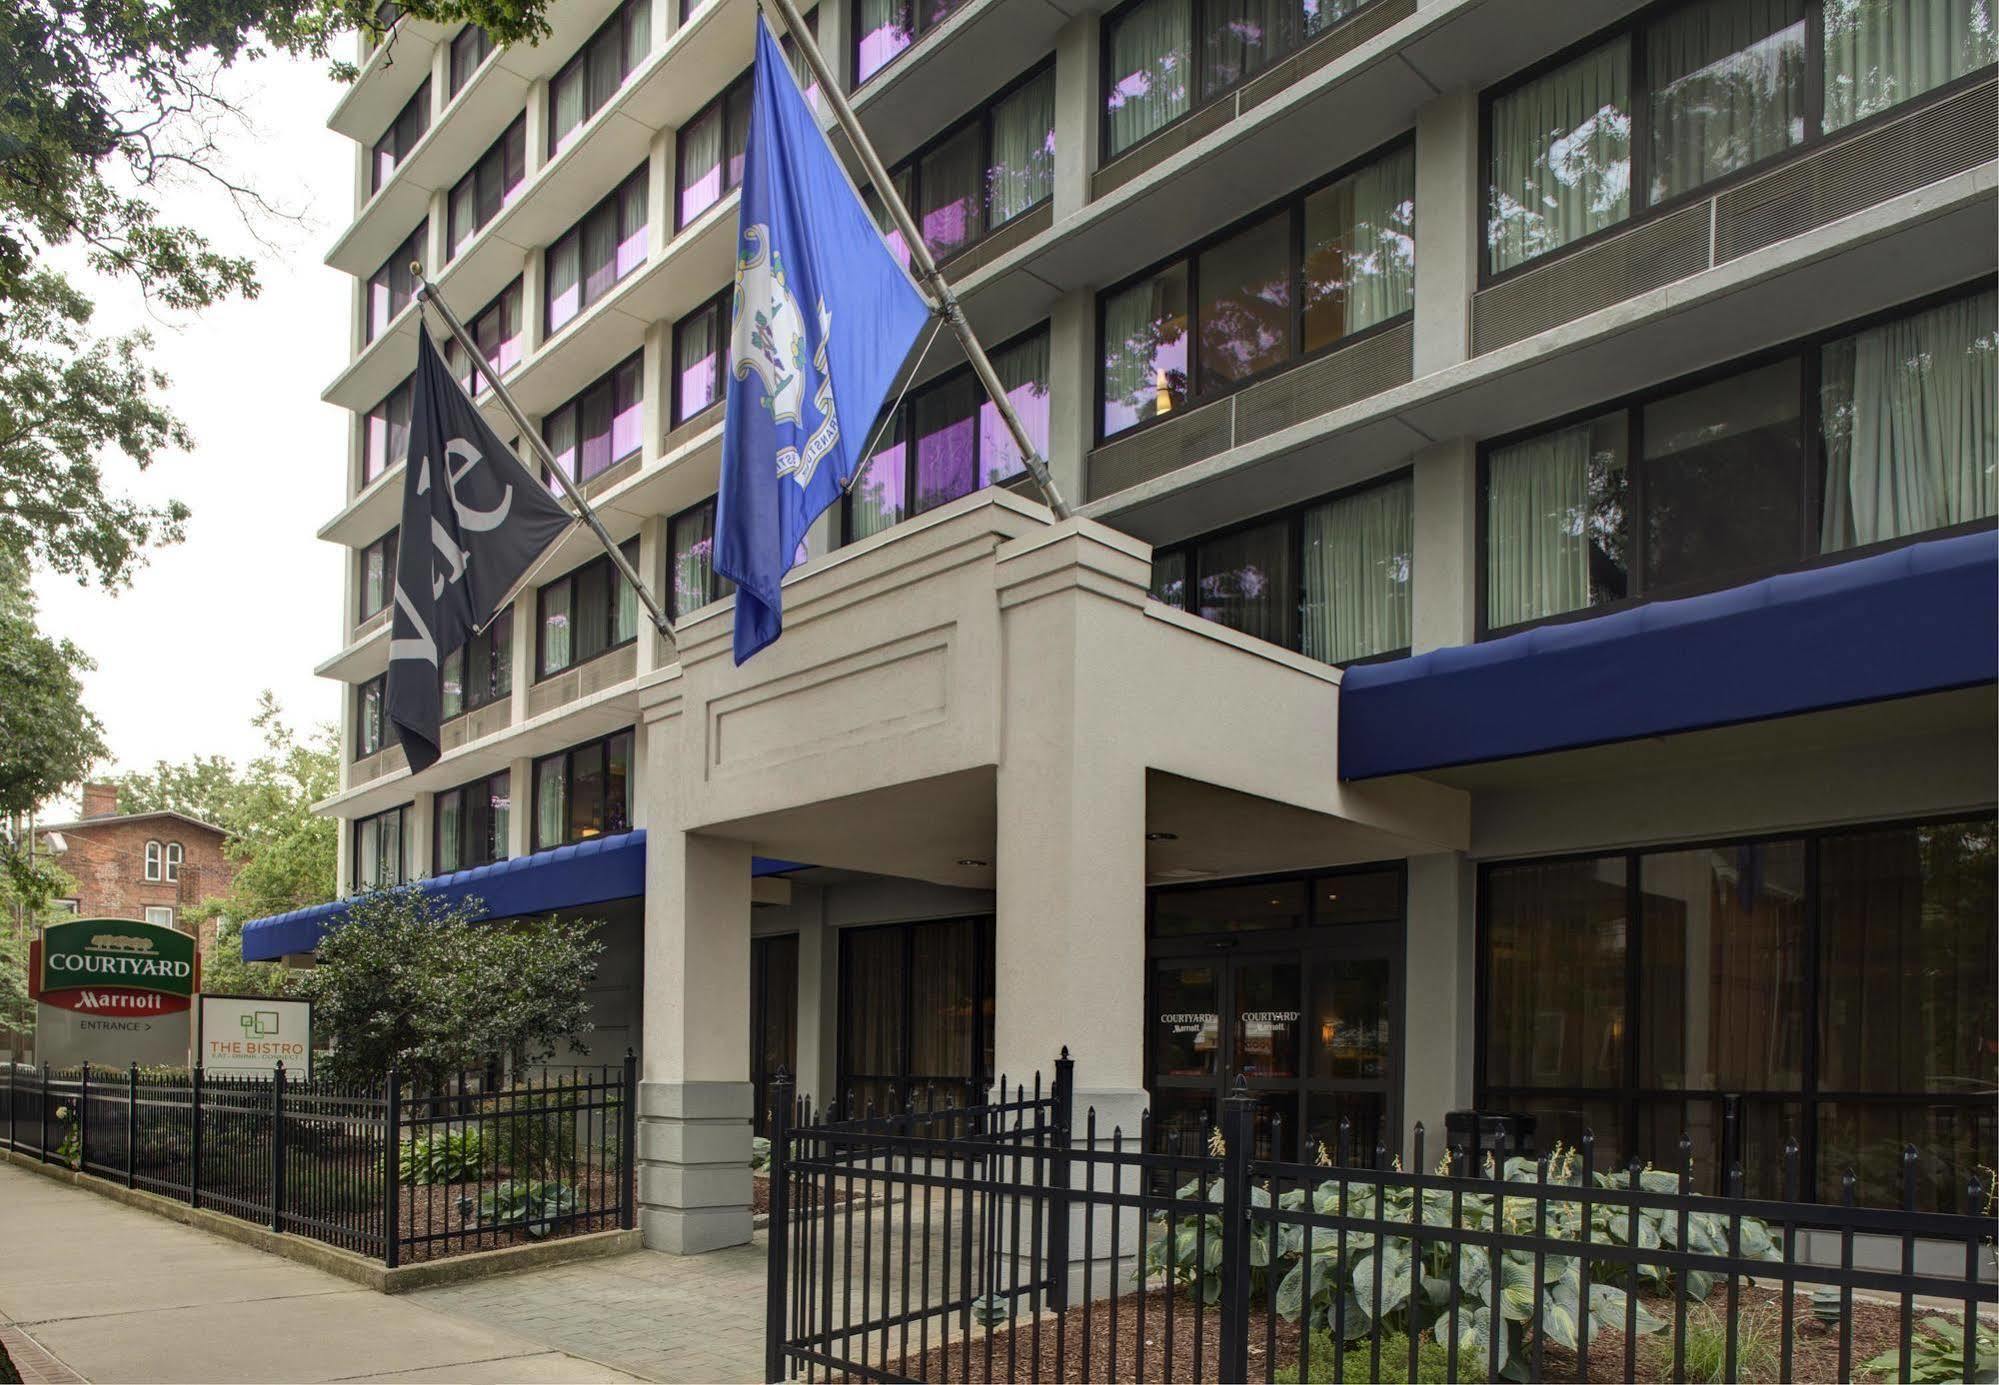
point(474, 520)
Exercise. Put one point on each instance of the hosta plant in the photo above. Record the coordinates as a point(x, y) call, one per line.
point(449, 1156)
point(1936, 1353)
point(532, 1204)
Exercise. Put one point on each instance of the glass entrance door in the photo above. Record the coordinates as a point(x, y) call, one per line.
point(1296, 987)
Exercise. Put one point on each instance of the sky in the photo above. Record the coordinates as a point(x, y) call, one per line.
point(250, 600)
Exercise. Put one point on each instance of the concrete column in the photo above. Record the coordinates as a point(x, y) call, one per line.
point(437, 232)
point(522, 673)
point(534, 323)
point(1446, 487)
point(818, 1001)
point(1078, 98)
point(654, 651)
point(520, 813)
point(836, 42)
point(417, 845)
point(535, 128)
point(662, 161)
point(1072, 392)
point(1448, 228)
point(695, 1098)
point(1437, 1047)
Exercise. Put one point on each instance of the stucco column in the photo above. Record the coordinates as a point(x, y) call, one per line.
point(695, 1096)
point(1446, 486)
point(1072, 393)
point(1438, 989)
point(818, 1002)
point(1078, 84)
point(1447, 229)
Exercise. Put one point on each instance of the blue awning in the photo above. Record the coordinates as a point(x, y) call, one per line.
point(1919, 619)
point(563, 877)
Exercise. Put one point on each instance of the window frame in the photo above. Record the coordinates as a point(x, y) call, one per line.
point(1196, 71)
point(607, 206)
point(388, 544)
point(1292, 204)
point(380, 682)
point(482, 42)
point(462, 792)
point(500, 631)
point(402, 871)
point(153, 911)
point(497, 151)
point(1630, 1094)
point(920, 28)
point(607, 381)
point(1635, 25)
point(411, 247)
point(175, 855)
point(720, 305)
point(568, 757)
point(155, 861)
point(910, 166)
point(381, 408)
point(477, 385)
point(673, 607)
point(420, 103)
point(902, 408)
point(1807, 350)
point(618, 25)
point(718, 105)
point(1293, 516)
point(613, 577)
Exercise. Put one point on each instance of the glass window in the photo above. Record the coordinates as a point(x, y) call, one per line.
point(392, 286)
point(1557, 522)
point(1556, 935)
point(583, 792)
point(1560, 156)
point(154, 858)
point(950, 179)
point(386, 437)
point(378, 850)
point(1360, 250)
point(401, 137)
point(1150, 80)
point(1724, 481)
point(697, 360)
point(710, 159)
point(378, 575)
point(1727, 84)
point(882, 30)
point(480, 671)
point(916, 1011)
point(1359, 561)
point(471, 824)
point(691, 538)
point(1169, 577)
point(996, 164)
point(1911, 424)
point(488, 185)
point(944, 423)
point(1879, 53)
point(585, 613)
point(1239, 38)
point(880, 498)
point(1245, 303)
point(1145, 349)
point(497, 332)
point(1229, 908)
point(1020, 166)
point(599, 251)
point(173, 860)
point(369, 724)
point(1186, 1035)
point(1247, 581)
point(1023, 371)
point(599, 68)
point(600, 427)
point(469, 47)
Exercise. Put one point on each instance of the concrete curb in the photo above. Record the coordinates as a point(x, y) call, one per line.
point(369, 1274)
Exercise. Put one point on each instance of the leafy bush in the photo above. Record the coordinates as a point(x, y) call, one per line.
point(1432, 1362)
point(532, 1145)
point(759, 1154)
point(450, 1156)
point(1937, 1353)
point(531, 1204)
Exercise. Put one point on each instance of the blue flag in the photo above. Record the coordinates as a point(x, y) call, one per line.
point(824, 318)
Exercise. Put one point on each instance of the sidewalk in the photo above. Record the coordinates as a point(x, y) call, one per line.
point(117, 1295)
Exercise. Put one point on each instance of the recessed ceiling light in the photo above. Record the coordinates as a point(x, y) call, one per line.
point(1162, 836)
point(972, 861)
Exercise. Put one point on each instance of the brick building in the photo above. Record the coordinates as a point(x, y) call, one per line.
point(150, 866)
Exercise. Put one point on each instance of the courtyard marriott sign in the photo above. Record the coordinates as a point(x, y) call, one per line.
point(112, 991)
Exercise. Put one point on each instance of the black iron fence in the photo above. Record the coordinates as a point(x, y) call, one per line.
point(1009, 1241)
point(395, 1175)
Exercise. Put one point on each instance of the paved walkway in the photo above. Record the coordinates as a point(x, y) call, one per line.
point(116, 1294)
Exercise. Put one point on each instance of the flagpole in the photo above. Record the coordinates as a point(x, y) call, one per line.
point(428, 293)
point(943, 300)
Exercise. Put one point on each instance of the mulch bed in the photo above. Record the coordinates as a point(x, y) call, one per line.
point(434, 1209)
point(1014, 1356)
point(760, 1196)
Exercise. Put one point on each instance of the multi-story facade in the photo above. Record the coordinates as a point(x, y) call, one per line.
point(150, 866)
point(1527, 640)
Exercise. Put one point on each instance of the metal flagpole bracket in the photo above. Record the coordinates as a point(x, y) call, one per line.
point(427, 293)
point(935, 287)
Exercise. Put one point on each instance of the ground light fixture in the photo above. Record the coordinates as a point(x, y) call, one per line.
point(1162, 836)
point(972, 861)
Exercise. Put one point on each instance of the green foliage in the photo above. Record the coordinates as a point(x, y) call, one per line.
point(407, 982)
point(48, 739)
point(1189, 1253)
point(759, 1154)
point(1432, 1362)
point(449, 1156)
point(529, 1203)
point(524, 1144)
point(1936, 1353)
point(1757, 1354)
point(203, 787)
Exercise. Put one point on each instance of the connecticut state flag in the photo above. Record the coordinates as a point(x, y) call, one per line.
point(824, 318)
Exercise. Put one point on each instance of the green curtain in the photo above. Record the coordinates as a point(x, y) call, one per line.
point(1911, 418)
point(1358, 570)
point(1022, 174)
point(1881, 52)
point(1727, 79)
point(1561, 156)
point(1151, 70)
point(1537, 542)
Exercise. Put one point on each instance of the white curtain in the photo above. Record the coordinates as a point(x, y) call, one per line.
point(1911, 417)
point(1727, 79)
point(1145, 349)
point(1536, 538)
point(1150, 70)
point(700, 164)
point(1880, 52)
point(1358, 570)
point(555, 644)
point(1023, 167)
point(1360, 250)
point(1561, 156)
point(451, 829)
point(1245, 36)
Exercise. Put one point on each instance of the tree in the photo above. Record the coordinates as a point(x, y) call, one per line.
point(409, 983)
point(104, 104)
point(204, 787)
point(29, 888)
point(48, 739)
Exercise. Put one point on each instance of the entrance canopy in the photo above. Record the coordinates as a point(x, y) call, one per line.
point(1915, 620)
point(563, 877)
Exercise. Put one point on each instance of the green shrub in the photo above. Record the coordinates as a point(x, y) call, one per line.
point(450, 1156)
point(534, 1146)
point(1706, 1353)
point(531, 1204)
point(1937, 1353)
point(1432, 1362)
point(759, 1154)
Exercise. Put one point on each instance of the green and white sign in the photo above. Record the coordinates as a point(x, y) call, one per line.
point(249, 1035)
point(112, 991)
